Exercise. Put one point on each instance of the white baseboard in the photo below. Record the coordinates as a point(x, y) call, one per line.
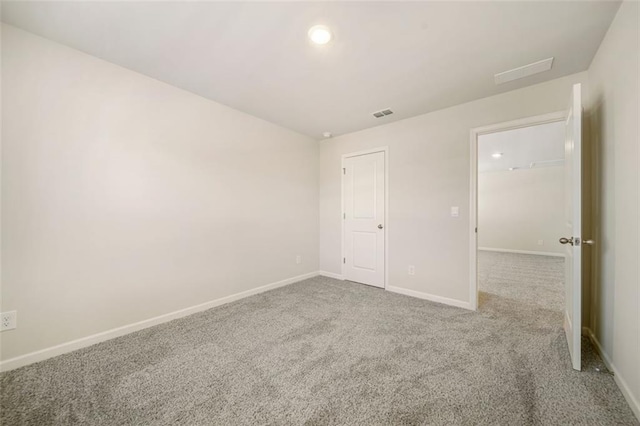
point(622, 384)
point(331, 275)
point(431, 297)
point(539, 253)
point(83, 342)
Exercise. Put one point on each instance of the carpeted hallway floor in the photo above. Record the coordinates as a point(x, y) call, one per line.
point(324, 351)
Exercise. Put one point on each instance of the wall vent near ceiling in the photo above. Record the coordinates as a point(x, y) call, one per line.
point(546, 163)
point(524, 71)
point(379, 114)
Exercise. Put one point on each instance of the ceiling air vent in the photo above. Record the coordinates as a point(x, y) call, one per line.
point(524, 71)
point(380, 114)
point(546, 163)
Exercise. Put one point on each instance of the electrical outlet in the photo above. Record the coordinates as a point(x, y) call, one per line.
point(8, 320)
point(412, 270)
point(540, 242)
point(298, 259)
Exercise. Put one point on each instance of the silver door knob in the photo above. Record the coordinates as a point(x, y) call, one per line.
point(588, 242)
point(564, 240)
point(380, 226)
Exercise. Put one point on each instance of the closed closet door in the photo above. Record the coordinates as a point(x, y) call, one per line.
point(364, 218)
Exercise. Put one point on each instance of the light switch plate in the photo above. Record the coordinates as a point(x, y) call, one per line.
point(455, 211)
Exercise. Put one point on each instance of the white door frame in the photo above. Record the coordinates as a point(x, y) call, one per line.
point(473, 203)
point(384, 149)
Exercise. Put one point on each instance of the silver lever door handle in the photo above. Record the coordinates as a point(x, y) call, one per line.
point(588, 242)
point(564, 240)
point(380, 226)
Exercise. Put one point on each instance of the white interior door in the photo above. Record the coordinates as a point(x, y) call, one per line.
point(364, 218)
point(573, 237)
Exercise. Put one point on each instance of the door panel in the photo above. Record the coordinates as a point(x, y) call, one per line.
point(573, 238)
point(364, 218)
point(364, 250)
point(364, 190)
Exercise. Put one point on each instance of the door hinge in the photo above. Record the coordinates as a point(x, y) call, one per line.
point(476, 230)
point(344, 260)
point(344, 215)
point(344, 170)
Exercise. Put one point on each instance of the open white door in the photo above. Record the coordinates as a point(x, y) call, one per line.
point(573, 237)
point(364, 218)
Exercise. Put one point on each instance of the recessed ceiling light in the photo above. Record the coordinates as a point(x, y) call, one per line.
point(319, 34)
point(497, 155)
point(327, 134)
point(513, 168)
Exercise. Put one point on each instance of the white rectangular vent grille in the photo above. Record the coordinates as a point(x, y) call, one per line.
point(380, 114)
point(546, 163)
point(524, 71)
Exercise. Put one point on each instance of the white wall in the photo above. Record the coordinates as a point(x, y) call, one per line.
point(429, 162)
point(518, 208)
point(614, 97)
point(124, 198)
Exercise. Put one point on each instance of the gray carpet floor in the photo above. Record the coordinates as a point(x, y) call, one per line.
point(324, 351)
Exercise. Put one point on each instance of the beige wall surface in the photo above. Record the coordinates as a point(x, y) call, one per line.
point(124, 198)
point(429, 172)
point(614, 112)
point(518, 208)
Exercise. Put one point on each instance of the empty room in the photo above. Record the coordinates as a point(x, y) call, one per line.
point(521, 209)
point(346, 213)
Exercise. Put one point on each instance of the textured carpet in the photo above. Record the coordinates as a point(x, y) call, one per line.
point(329, 352)
point(535, 281)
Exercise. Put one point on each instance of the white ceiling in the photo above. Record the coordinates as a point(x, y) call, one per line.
point(541, 145)
point(412, 57)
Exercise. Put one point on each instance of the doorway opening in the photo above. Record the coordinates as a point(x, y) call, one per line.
point(519, 206)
